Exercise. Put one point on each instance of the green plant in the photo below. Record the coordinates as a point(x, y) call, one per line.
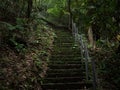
point(18, 46)
point(110, 70)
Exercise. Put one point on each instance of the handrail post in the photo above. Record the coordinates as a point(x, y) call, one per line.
point(81, 47)
point(86, 62)
point(84, 54)
point(94, 76)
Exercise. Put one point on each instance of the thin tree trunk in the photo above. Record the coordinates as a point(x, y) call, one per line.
point(29, 9)
point(70, 14)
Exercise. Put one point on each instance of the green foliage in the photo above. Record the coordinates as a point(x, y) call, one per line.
point(26, 43)
point(110, 70)
point(18, 46)
point(11, 32)
point(13, 27)
point(54, 11)
point(101, 13)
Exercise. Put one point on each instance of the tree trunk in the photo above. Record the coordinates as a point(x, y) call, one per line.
point(29, 9)
point(70, 14)
point(90, 37)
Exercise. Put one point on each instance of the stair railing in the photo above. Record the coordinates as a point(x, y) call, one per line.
point(84, 54)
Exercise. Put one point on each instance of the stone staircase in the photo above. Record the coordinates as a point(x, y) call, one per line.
point(65, 69)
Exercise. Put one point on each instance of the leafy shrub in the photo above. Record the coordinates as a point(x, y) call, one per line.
point(110, 69)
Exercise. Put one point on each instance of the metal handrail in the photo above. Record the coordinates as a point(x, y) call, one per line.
point(84, 54)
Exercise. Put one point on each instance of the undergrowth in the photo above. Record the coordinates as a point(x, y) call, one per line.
point(23, 64)
point(107, 68)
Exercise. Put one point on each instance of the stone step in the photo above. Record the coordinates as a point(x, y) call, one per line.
point(64, 38)
point(63, 31)
point(65, 86)
point(64, 66)
point(64, 44)
point(63, 41)
point(65, 74)
point(64, 70)
point(71, 48)
point(65, 56)
point(65, 62)
point(65, 59)
point(59, 47)
point(62, 56)
point(62, 34)
point(66, 50)
point(67, 53)
point(71, 89)
point(62, 79)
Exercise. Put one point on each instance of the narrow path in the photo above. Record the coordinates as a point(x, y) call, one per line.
point(66, 71)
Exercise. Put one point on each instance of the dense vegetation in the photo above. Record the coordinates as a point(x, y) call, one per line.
point(27, 35)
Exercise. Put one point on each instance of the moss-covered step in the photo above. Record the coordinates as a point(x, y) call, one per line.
point(66, 66)
point(66, 49)
point(65, 56)
point(66, 74)
point(67, 86)
point(65, 44)
point(65, 70)
point(65, 59)
point(63, 40)
point(65, 62)
point(62, 79)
